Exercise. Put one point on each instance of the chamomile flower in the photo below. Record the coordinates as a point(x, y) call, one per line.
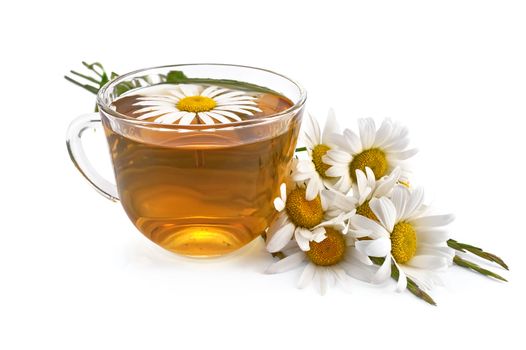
point(312, 170)
point(335, 258)
point(405, 235)
point(299, 218)
point(368, 187)
point(381, 150)
point(187, 104)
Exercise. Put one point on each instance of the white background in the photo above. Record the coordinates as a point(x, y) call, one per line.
point(76, 274)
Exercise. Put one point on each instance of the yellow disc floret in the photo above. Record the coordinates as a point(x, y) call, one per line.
point(373, 158)
point(196, 104)
point(403, 242)
point(330, 251)
point(302, 212)
point(365, 210)
point(317, 154)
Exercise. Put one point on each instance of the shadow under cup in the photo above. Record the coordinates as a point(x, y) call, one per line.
point(201, 190)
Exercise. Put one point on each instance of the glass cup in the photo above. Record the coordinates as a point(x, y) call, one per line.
point(196, 190)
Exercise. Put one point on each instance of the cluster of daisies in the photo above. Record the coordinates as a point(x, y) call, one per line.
point(348, 211)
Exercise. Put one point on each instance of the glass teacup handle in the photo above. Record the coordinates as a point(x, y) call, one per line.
point(74, 143)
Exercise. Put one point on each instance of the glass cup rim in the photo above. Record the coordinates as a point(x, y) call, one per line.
point(102, 96)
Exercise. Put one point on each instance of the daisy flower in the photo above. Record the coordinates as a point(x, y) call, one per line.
point(405, 235)
point(367, 188)
point(299, 218)
point(187, 104)
point(312, 170)
point(381, 150)
point(335, 258)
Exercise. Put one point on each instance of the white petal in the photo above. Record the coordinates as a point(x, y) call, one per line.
point(331, 128)
point(361, 182)
point(353, 142)
point(387, 183)
point(385, 211)
point(399, 197)
point(217, 115)
point(367, 132)
point(303, 242)
point(286, 264)
point(416, 198)
point(156, 113)
point(307, 276)
point(313, 188)
point(322, 278)
point(358, 255)
point(383, 133)
point(227, 114)
point(428, 262)
point(170, 118)
point(312, 132)
point(283, 191)
point(401, 284)
point(279, 204)
point(188, 89)
point(384, 272)
point(343, 279)
point(187, 119)
point(433, 220)
point(366, 224)
point(403, 155)
point(205, 118)
point(280, 233)
point(377, 247)
point(336, 157)
point(432, 236)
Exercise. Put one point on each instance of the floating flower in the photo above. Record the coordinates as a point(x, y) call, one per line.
point(405, 235)
point(313, 170)
point(380, 150)
point(299, 218)
point(332, 259)
point(187, 104)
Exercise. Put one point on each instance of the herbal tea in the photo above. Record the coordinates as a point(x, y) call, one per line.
point(201, 192)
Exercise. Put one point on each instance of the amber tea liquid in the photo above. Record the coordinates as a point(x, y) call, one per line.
point(203, 193)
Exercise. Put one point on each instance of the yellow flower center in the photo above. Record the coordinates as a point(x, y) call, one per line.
point(403, 242)
point(330, 251)
point(365, 210)
point(302, 212)
point(196, 104)
point(373, 158)
point(317, 154)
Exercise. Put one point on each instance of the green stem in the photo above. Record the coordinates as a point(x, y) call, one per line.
point(93, 80)
point(411, 285)
point(301, 149)
point(463, 247)
point(474, 267)
point(92, 89)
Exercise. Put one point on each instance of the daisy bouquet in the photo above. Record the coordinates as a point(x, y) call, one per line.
point(347, 209)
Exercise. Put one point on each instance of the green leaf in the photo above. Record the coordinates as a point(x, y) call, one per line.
point(176, 77)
